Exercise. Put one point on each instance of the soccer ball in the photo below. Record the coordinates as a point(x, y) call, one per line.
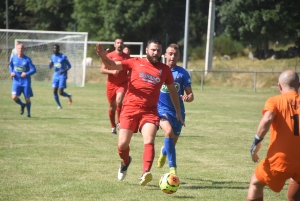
point(169, 183)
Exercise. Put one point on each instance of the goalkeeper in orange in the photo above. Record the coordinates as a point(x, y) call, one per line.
point(281, 114)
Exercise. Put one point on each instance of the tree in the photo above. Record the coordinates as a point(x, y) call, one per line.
point(131, 20)
point(260, 21)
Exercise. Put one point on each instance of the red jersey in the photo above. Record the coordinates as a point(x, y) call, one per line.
point(284, 148)
point(145, 81)
point(122, 76)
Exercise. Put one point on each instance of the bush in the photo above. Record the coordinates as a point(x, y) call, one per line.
point(225, 45)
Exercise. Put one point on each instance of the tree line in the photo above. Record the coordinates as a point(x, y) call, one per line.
point(255, 22)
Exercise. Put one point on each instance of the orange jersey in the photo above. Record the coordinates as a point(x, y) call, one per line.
point(284, 149)
point(122, 76)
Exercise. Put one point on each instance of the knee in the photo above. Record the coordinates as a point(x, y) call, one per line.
point(14, 98)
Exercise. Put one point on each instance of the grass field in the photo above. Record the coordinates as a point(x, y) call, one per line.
point(70, 154)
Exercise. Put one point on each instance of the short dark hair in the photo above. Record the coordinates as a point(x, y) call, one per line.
point(56, 45)
point(153, 40)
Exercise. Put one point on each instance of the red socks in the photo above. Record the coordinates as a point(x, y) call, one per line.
point(148, 157)
point(124, 155)
point(111, 115)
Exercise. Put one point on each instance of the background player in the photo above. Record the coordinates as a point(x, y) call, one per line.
point(117, 83)
point(167, 113)
point(281, 113)
point(126, 50)
point(61, 66)
point(139, 111)
point(21, 68)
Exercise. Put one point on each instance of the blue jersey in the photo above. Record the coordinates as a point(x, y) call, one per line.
point(60, 63)
point(181, 80)
point(20, 65)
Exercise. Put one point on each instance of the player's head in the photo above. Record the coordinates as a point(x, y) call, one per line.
point(20, 50)
point(126, 50)
point(288, 81)
point(154, 51)
point(56, 49)
point(172, 55)
point(119, 45)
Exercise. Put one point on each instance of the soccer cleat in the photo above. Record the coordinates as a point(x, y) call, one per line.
point(28, 115)
point(146, 178)
point(113, 130)
point(70, 100)
point(173, 170)
point(22, 109)
point(123, 170)
point(161, 159)
point(59, 107)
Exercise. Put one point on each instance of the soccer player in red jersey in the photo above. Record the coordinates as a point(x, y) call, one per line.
point(116, 85)
point(281, 114)
point(139, 112)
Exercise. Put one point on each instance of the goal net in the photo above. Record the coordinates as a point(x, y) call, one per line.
point(39, 47)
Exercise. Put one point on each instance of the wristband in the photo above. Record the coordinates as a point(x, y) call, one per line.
point(256, 141)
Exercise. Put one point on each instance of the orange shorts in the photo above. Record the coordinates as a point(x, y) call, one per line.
point(112, 90)
point(275, 180)
point(133, 118)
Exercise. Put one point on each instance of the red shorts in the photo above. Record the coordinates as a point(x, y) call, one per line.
point(275, 180)
point(133, 118)
point(112, 90)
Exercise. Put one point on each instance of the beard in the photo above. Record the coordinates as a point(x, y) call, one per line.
point(120, 48)
point(153, 59)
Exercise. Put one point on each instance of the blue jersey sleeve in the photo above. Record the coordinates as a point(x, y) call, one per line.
point(32, 69)
point(186, 79)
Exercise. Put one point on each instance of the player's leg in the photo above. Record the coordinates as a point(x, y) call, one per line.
point(149, 132)
point(111, 97)
point(255, 191)
point(120, 93)
point(125, 135)
point(16, 92)
point(119, 101)
point(55, 83)
point(27, 94)
point(293, 190)
point(169, 145)
point(62, 85)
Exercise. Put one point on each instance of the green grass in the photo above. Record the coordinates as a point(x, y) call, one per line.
point(70, 154)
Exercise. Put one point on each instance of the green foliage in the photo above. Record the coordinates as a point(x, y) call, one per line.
point(225, 45)
point(259, 21)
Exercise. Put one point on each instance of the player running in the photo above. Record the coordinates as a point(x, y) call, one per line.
point(167, 113)
point(139, 111)
point(116, 85)
point(61, 66)
point(21, 68)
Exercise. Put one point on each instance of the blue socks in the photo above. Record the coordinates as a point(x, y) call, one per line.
point(56, 98)
point(28, 106)
point(18, 101)
point(170, 151)
point(66, 95)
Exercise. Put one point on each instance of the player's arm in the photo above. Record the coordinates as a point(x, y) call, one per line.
point(11, 68)
point(175, 100)
point(68, 66)
point(262, 130)
point(104, 70)
point(110, 64)
point(51, 63)
point(188, 96)
point(31, 67)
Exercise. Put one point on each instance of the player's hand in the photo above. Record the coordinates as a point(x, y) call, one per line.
point(179, 118)
point(100, 50)
point(186, 97)
point(51, 64)
point(61, 72)
point(116, 72)
point(13, 74)
point(254, 150)
point(23, 74)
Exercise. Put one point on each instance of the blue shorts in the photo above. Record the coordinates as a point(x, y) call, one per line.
point(59, 82)
point(17, 90)
point(176, 125)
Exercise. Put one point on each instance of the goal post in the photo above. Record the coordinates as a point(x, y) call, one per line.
point(39, 47)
